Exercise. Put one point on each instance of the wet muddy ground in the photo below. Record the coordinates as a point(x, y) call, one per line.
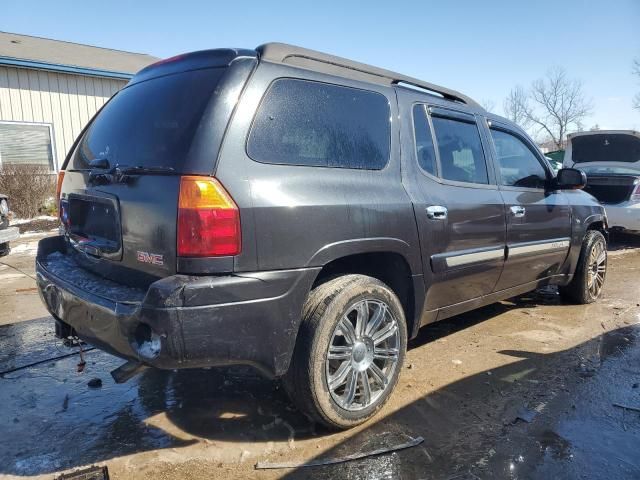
point(525, 388)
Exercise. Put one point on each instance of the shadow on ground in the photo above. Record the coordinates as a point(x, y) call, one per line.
point(623, 241)
point(470, 427)
point(543, 416)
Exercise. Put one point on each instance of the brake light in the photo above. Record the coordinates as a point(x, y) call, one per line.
point(208, 219)
point(62, 213)
point(59, 186)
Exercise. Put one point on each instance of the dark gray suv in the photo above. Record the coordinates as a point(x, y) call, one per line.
point(304, 214)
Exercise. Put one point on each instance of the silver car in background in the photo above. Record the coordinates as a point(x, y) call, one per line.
point(611, 160)
point(7, 233)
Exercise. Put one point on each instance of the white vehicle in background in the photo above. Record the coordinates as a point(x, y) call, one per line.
point(611, 160)
point(7, 233)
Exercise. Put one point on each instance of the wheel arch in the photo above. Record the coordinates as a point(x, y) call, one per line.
point(597, 221)
point(390, 267)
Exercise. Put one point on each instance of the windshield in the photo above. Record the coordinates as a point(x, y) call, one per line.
point(149, 124)
point(617, 147)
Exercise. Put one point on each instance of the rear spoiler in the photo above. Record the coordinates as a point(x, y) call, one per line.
point(215, 58)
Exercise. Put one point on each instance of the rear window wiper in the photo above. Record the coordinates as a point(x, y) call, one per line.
point(134, 170)
point(123, 173)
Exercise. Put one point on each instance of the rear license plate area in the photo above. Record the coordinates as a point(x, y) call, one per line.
point(93, 225)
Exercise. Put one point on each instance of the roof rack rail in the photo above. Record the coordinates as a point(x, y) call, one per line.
point(302, 57)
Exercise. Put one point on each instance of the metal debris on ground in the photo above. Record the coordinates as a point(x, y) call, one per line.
point(82, 363)
point(348, 458)
point(627, 407)
point(40, 362)
point(92, 473)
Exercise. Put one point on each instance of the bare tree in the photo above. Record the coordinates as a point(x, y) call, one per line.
point(636, 71)
point(515, 106)
point(556, 104)
point(488, 104)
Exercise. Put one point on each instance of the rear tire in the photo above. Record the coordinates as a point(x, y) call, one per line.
point(588, 280)
point(350, 349)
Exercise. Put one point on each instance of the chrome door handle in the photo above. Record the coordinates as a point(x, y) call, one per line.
point(518, 211)
point(436, 212)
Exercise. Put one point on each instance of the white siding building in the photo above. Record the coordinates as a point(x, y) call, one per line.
point(49, 90)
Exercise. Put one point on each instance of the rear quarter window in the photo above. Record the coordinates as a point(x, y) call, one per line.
point(301, 122)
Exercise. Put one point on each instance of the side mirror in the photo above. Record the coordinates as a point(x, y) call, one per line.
point(570, 179)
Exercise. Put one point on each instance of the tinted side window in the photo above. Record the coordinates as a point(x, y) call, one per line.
point(519, 167)
point(300, 122)
point(460, 149)
point(425, 151)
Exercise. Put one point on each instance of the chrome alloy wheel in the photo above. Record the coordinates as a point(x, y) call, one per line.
point(362, 355)
point(597, 269)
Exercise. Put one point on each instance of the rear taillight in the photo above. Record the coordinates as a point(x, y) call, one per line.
point(635, 196)
point(59, 186)
point(208, 219)
point(63, 214)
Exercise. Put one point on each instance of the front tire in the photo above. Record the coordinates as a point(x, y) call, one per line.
point(350, 349)
point(588, 280)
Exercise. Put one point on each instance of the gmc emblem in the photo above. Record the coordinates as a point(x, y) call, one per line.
point(152, 258)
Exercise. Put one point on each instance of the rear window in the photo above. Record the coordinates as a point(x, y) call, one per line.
point(151, 123)
point(605, 148)
point(301, 122)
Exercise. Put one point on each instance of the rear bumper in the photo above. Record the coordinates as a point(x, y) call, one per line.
point(8, 234)
point(248, 318)
point(624, 215)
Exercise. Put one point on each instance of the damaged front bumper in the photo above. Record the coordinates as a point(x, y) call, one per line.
point(179, 321)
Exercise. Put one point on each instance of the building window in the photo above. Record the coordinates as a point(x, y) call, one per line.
point(26, 144)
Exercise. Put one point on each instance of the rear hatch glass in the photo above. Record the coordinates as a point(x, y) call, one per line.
point(129, 216)
point(151, 123)
point(615, 147)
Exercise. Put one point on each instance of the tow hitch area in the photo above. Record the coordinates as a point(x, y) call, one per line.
point(127, 370)
point(91, 473)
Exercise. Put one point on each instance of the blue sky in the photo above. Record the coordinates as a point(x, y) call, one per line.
point(482, 48)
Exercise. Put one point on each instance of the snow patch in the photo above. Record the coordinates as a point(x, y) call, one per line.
point(38, 234)
point(29, 248)
point(21, 221)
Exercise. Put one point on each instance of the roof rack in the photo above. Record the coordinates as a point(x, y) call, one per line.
point(302, 57)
